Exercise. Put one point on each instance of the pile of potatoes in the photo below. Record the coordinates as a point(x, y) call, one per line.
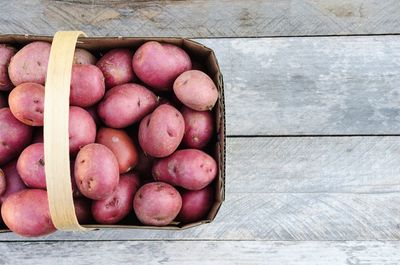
point(140, 126)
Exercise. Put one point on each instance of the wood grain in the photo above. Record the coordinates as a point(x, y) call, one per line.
point(201, 18)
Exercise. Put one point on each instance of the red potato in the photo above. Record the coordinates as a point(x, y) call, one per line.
point(157, 204)
point(14, 136)
point(37, 135)
point(2, 182)
point(196, 90)
point(30, 166)
point(119, 142)
point(116, 66)
point(117, 206)
point(27, 103)
point(126, 104)
point(195, 204)
point(14, 182)
point(199, 128)
point(29, 65)
point(93, 112)
point(6, 52)
point(27, 213)
point(96, 171)
point(82, 129)
point(3, 101)
point(161, 132)
point(159, 64)
point(82, 56)
point(82, 210)
point(190, 169)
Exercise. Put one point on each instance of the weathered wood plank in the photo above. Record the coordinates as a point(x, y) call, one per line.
point(205, 252)
point(228, 18)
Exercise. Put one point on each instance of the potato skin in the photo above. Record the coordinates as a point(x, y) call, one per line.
point(119, 142)
point(195, 204)
point(157, 204)
point(6, 52)
point(116, 66)
point(14, 182)
point(82, 210)
point(199, 128)
point(87, 85)
point(82, 129)
point(96, 171)
point(126, 104)
point(196, 90)
point(159, 64)
point(191, 169)
point(29, 64)
point(27, 103)
point(27, 213)
point(161, 132)
point(30, 166)
point(117, 206)
point(82, 56)
point(14, 136)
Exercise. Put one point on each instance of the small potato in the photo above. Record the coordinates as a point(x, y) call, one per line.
point(157, 204)
point(82, 210)
point(6, 52)
point(14, 182)
point(96, 171)
point(14, 136)
point(3, 101)
point(117, 206)
point(161, 132)
point(82, 56)
point(27, 103)
point(82, 129)
point(93, 112)
point(2, 182)
point(126, 104)
point(199, 128)
point(159, 64)
point(37, 135)
point(27, 213)
point(196, 90)
point(190, 169)
point(29, 65)
point(195, 204)
point(119, 142)
point(116, 66)
point(30, 166)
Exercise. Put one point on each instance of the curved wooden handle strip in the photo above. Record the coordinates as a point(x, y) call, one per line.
point(56, 136)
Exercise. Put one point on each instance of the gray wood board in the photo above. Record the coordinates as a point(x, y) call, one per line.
point(228, 18)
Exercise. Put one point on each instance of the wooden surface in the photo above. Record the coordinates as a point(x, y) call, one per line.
point(313, 125)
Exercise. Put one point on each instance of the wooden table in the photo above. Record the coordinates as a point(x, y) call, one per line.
point(313, 119)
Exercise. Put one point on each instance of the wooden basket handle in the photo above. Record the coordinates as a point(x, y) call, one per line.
point(56, 135)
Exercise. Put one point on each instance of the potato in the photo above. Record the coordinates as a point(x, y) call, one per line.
point(2, 182)
point(161, 132)
point(93, 112)
point(119, 142)
point(190, 169)
point(82, 56)
point(27, 103)
point(199, 128)
point(3, 101)
point(116, 66)
point(96, 171)
point(87, 85)
point(27, 213)
point(37, 135)
point(159, 64)
point(82, 210)
point(30, 166)
point(29, 65)
point(117, 206)
point(195, 204)
point(14, 182)
point(14, 136)
point(6, 52)
point(196, 90)
point(157, 204)
point(126, 104)
point(82, 129)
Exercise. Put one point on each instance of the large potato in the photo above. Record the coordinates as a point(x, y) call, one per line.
point(190, 169)
point(196, 90)
point(116, 66)
point(199, 128)
point(96, 171)
point(159, 64)
point(82, 56)
point(195, 204)
point(3, 101)
point(157, 204)
point(14, 136)
point(14, 182)
point(30, 166)
point(119, 142)
point(117, 206)
point(29, 65)
point(27, 103)
point(82, 210)
point(126, 104)
point(27, 213)
point(82, 129)
point(6, 52)
point(161, 132)
point(87, 85)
